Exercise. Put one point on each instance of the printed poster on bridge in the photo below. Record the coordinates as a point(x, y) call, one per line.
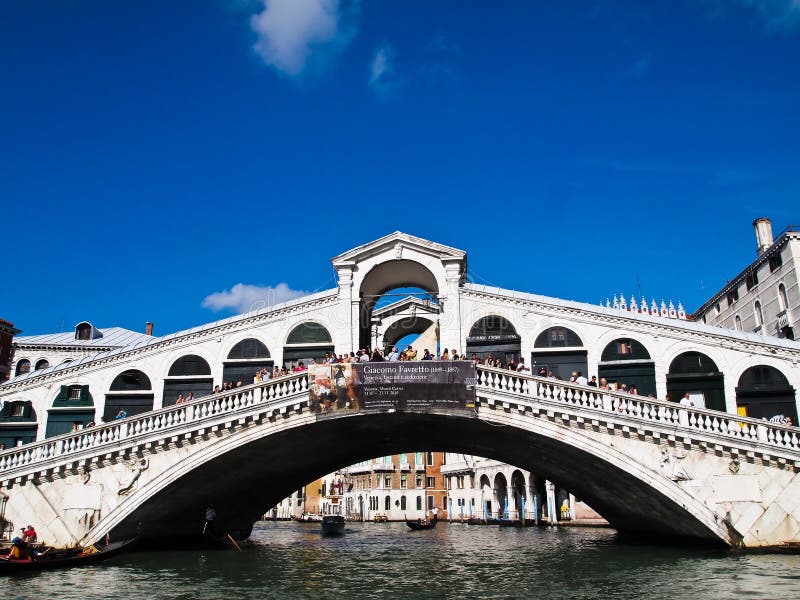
point(392, 385)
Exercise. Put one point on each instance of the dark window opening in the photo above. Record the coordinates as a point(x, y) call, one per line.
point(249, 349)
point(309, 333)
point(189, 365)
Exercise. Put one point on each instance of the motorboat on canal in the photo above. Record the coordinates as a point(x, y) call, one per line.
point(333, 525)
point(56, 558)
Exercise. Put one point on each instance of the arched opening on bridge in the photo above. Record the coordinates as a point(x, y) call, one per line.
point(501, 496)
point(306, 341)
point(519, 495)
point(130, 391)
point(406, 278)
point(190, 373)
point(73, 408)
point(403, 330)
point(697, 374)
point(17, 423)
point(494, 336)
point(559, 350)
point(23, 366)
point(764, 392)
point(626, 361)
point(42, 364)
point(244, 359)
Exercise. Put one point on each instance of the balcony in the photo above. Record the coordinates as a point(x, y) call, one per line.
point(383, 467)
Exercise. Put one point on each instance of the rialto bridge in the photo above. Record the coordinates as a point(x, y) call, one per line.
point(645, 465)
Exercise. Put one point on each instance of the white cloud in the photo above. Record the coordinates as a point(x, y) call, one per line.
point(382, 76)
point(242, 298)
point(294, 34)
point(777, 15)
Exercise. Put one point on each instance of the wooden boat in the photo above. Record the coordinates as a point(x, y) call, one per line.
point(421, 524)
point(57, 558)
point(381, 519)
point(333, 525)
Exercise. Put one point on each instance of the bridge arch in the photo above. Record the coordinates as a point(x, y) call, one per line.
point(225, 473)
point(494, 335)
point(763, 391)
point(561, 350)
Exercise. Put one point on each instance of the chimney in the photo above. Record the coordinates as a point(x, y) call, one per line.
point(763, 227)
point(148, 328)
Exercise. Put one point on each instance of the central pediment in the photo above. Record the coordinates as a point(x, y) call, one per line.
point(394, 245)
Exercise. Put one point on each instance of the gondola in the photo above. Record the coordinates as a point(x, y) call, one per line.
point(57, 558)
point(333, 525)
point(421, 524)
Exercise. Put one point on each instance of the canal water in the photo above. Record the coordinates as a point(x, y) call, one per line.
point(290, 560)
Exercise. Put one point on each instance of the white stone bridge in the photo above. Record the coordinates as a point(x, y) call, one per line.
point(645, 465)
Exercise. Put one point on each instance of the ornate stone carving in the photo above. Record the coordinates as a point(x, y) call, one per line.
point(136, 467)
point(671, 467)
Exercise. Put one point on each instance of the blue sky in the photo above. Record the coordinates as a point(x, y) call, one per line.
point(173, 161)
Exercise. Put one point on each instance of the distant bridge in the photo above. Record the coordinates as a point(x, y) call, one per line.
point(643, 464)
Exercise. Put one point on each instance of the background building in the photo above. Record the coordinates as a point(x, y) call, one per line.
point(763, 298)
point(7, 333)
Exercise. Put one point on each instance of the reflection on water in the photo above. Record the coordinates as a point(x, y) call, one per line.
point(381, 560)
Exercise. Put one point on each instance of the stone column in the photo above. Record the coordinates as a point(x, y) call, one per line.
point(550, 489)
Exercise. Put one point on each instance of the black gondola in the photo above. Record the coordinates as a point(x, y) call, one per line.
point(57, 558)
point(333, 525)
point(421, 524)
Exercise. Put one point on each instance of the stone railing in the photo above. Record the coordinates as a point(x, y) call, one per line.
point(164, 422)
point(668, 415)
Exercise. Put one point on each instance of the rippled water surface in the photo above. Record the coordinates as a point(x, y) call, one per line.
point(289, 560)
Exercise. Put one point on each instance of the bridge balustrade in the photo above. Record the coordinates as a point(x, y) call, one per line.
point(109, 436)
point(667, 414)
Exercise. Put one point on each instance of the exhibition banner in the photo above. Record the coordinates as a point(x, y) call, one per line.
point(392, 385)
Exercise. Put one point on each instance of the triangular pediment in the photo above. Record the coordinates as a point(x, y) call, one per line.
point(396, 243)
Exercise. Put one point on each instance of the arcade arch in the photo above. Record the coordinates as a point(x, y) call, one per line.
point(627, 361)
point(697, 374)
point(244, 359)
point(130, 391)
point(560, 350)
point(764, 392)
point(496, 336)
point(501, 495)
point(189, 373)
point(306, 341)
point(42, 364)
